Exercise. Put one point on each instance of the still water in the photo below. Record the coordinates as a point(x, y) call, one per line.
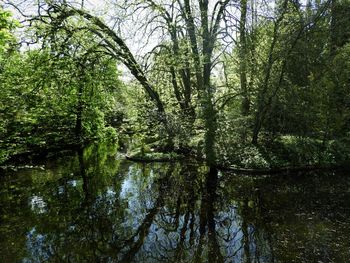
point(94, 206)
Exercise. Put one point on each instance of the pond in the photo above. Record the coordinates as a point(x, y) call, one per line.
point(94, 206)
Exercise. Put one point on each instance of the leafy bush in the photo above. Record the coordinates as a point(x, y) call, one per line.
point(251, 157)
point(110, 134)
point(4, 155)
point(338, 151)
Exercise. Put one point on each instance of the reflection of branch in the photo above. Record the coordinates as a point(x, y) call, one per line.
point(180, 246)
point(214, 248)
point(143, 230)
point(207, 219)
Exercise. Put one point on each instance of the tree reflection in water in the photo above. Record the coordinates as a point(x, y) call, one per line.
point(99, 209)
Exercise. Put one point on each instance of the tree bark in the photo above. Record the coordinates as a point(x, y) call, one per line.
point(245, 105)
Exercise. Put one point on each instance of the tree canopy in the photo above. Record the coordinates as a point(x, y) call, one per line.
point(247, 83)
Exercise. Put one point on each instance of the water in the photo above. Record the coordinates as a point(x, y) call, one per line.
point(92, 206)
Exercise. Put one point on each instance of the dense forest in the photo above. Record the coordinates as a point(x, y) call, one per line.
point(244, 84)
point(175, 131)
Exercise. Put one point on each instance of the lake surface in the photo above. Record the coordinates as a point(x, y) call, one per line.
point(94, 206)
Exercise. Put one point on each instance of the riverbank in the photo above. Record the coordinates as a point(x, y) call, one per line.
point(283, 156)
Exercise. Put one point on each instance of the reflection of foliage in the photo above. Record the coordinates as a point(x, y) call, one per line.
point(97, 208)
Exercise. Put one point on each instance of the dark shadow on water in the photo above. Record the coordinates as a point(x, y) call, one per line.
point(94, 207)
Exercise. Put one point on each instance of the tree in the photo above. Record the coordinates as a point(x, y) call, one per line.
point(201, 39)
point(266, 86)
point(49, 101)
point(288, 29)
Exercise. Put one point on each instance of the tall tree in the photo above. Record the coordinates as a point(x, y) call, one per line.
point(201, 38)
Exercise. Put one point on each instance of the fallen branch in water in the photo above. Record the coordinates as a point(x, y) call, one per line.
point(286, 169)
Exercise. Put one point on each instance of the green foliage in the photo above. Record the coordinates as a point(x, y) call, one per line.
point(4, 155)
point(338, 151)
point(285, 151)
point(251, 157)
point(41, 98)
point(296, 151)
point(110, 134)
point(148, 156)
point(280, 98)
point(7, 25)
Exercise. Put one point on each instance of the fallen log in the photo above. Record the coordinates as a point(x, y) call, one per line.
point(280, 170)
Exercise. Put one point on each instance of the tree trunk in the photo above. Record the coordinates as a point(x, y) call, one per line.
point(245, 105)
point(263, 91)
point(79, 112)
